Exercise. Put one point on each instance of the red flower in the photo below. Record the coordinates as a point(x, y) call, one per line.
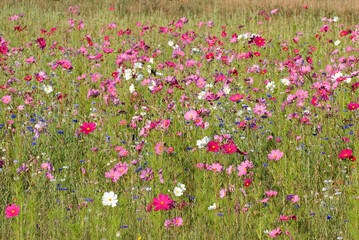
point(347, 153)
point(162, 202)
point(353, 106)
point(352, 158)
point(88, 127)
point(259, 41)
point(213, 146)
point(247, 182)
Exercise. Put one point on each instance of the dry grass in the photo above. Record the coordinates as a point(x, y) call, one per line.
point(346, 9)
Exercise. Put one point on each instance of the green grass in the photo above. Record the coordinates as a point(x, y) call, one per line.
point(49, 213)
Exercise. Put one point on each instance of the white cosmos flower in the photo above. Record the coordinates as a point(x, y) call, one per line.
point(201, 94)
point(337, 75)
point(195, 50)
point(178, 191)
point(128, 74)
point(132, 88)
point(47, 88)
point(151, 85)
point(139, 77)
point(336, 43)
point(227, 90)
point(109, 199)
point(348, 79)
point(137, 65)
point(182, 186)
point(285, 81)
point(335, 19)
point(213, 207)
point(203, 142)
point(170, 43)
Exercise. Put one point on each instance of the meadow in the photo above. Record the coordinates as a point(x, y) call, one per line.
point(179, 119)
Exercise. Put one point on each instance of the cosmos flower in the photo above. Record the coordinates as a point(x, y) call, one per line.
point(146, 174)
point(346, 153)
point(275, 154)
point(191, 115)
point(293, 198)
point(353, 106)
point(163, 202)
point(178, 221)
point(212, 207)
point(109, 199)
point(47, 88)
point(6, 99)
point(178, 191)
point(12, 210)
point(87, 128)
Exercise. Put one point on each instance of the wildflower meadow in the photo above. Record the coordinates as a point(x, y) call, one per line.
point(125, 124)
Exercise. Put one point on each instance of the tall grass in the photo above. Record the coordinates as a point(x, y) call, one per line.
point(56, 209)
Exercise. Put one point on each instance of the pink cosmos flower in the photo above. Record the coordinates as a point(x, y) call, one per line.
point(122, 169)
point(159, 148)
point(113, 174)
point(346, 153)
point(168, 223)
point(12, 210)
point(353, 106)
point(264, 200)
point(223, 192)
point(162, 202)
point(236, 97)
point(275, 232)
point(49, 176)
point(6, 99)
point(293, 198)
point(191, 115)
point(242, 170)
point(229, 148)
point(178, 221)
point(216, 167)
point(275, 154)
point(213, 146)
point(271, 193)
point(87, 128)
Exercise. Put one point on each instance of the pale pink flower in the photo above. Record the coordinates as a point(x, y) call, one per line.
point(6, 99)
point(178, 221)
point(191, 115)
point(275, 154)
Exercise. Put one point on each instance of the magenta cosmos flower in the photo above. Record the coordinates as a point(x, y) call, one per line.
point(346, 153)
point(88, 127)
point(12, 210)
point(275, 154)
point(353, 106)
point(236, 97)
point(213, 146)
point(162, 202)
point(229, 148)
